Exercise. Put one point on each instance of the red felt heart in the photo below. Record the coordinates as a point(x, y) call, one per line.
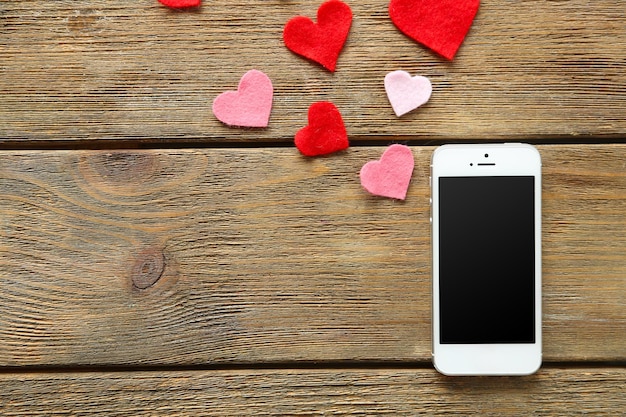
point(321, 42)
point(325, 132)
point(180, 4)
point(440, 25)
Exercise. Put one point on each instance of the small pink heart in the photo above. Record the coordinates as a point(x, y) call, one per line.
point(250, 105)
point(406, 93)
point(390, 176)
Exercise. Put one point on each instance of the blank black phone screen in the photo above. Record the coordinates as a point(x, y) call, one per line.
point(487, 259)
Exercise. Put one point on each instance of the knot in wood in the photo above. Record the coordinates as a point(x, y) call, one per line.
point(148, 268)
point(82, 22)
point(124, 167)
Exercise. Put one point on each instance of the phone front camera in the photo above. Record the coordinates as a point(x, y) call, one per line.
point(486, 155)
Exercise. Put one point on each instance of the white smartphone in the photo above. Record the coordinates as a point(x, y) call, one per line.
point(486, 241)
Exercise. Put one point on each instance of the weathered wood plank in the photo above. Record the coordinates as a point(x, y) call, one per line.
point(261, 255)
point(124, 70)
point(554, 392)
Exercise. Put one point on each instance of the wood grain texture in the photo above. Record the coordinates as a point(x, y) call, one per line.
point(410, 392)
point(119, 70)
point(183, 257)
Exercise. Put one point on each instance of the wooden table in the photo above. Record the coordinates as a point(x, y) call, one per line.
point(154, 261)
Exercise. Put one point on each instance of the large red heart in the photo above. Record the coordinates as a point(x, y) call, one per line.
point(325, 132)
point(321, 42)
point(440, 25)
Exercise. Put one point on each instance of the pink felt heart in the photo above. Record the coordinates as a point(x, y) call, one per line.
point(389, 176)
point(406, 93)
point(441, 25)
point(250, 105)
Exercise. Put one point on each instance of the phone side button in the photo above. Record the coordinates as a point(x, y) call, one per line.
point(430, 205)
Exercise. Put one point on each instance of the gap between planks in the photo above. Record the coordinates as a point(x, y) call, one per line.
point(285, 366)
point(202, 143)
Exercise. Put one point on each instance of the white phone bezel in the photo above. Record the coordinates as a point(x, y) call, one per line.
point(486, 359)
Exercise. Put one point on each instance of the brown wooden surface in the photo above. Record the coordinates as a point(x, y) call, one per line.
point(221, 280)
point(105, 70)
point(410, 392)
point(267, 256)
